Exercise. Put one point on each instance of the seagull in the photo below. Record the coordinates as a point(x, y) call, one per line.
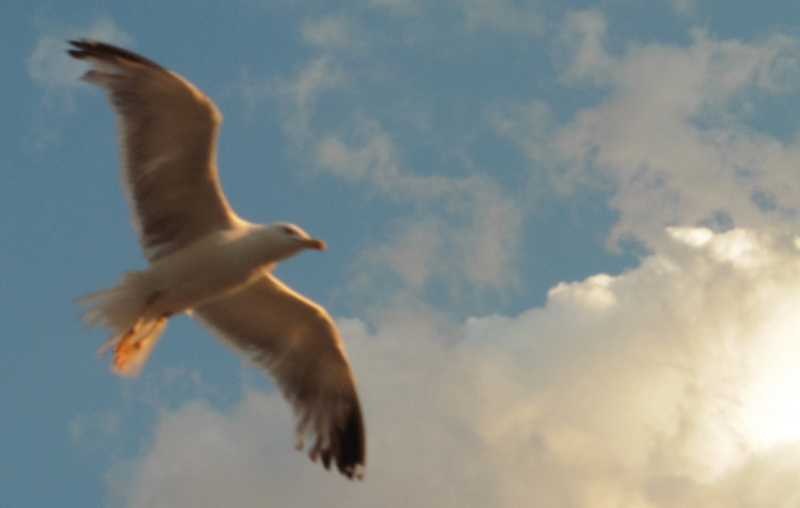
point(206, 261)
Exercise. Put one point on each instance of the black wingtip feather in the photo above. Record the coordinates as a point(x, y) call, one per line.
point(89, 48)
point(350, 459)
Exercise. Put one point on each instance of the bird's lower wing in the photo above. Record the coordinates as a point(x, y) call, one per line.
point(296, 341)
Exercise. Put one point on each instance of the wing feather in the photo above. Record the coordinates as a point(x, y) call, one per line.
point(296, 341)
point(167, 131)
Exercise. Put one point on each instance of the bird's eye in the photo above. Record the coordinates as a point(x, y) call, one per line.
point(289, 231)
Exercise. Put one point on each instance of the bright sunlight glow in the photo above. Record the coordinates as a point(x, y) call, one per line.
point(771, 409)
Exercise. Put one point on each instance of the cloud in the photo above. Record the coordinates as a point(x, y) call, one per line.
point(672, 136)
point(463, 227)
point(298, 96)
point(50, 67)
point(58, 75)
point(641, 390)
point(479, 253)
point(579, 48)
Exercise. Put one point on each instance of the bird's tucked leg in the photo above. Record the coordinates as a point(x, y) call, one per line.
point(132, 348)
point(131, 343)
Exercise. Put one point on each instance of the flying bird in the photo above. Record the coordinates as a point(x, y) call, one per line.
point(205, 260)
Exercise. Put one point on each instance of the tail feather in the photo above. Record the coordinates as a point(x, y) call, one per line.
point(118, 307)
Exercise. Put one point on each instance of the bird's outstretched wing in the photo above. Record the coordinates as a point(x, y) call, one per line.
point(295, 340)
point(167, 132)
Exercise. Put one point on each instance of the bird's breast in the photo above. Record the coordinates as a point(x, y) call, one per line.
point(200, 272)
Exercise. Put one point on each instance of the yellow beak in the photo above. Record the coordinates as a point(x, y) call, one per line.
point(314, 243)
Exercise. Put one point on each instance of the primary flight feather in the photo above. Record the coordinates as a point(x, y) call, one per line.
point(206, 261)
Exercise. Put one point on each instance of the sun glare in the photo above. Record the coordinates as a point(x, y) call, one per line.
point(771, 410)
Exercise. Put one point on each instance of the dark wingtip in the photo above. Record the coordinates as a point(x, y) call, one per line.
point(83, 45)
point(351, 440)
point(90, 48)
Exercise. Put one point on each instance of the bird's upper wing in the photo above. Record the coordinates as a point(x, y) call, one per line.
point(167, 131)
point(295, 340)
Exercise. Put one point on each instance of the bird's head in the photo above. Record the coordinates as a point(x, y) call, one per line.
point(293, 236)
point(274, 242)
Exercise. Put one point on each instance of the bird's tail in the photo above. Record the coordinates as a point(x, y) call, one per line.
point(121, 309)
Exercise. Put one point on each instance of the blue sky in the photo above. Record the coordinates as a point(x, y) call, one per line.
point(563, 237)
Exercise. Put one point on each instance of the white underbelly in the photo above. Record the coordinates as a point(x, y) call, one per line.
point(194, 275)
